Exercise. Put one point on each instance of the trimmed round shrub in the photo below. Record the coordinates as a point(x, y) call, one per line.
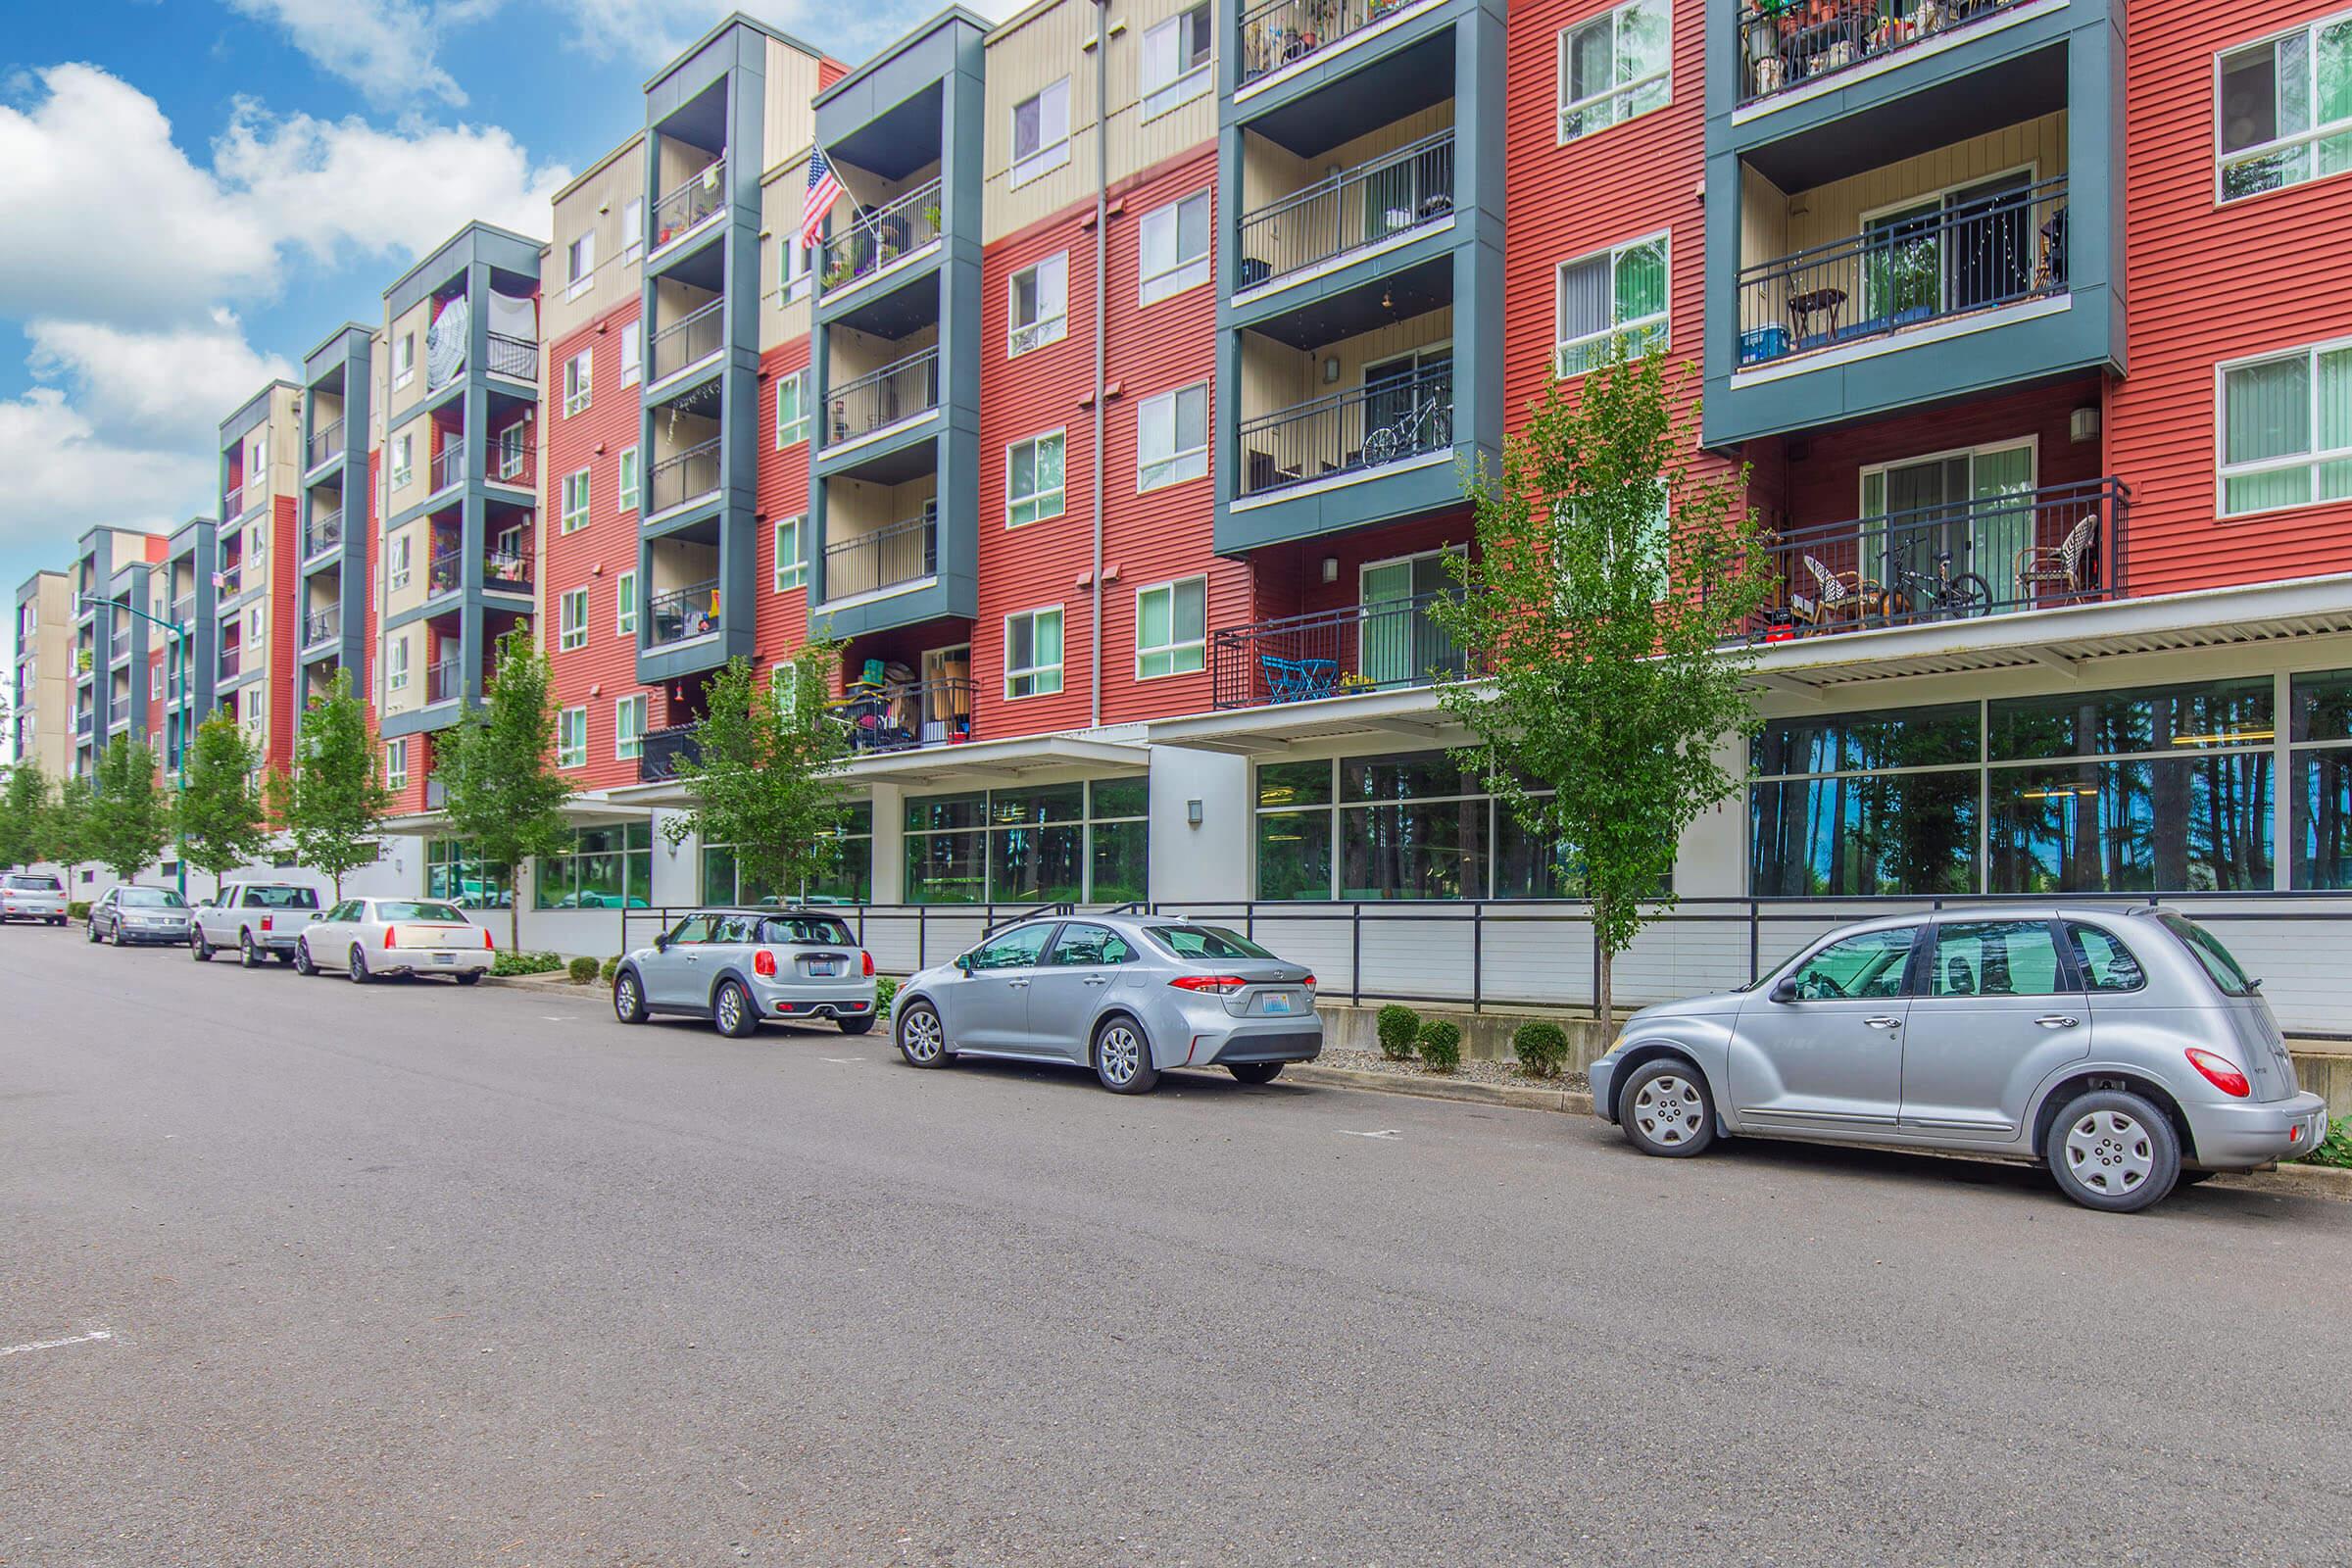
point(610, 971)
point(1542, 1048)
point(507, 964)
point(78, 909)
point(584, 972)
point(1440, 1045)
point(1398, 1026)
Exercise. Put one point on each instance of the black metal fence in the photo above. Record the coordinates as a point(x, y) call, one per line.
point(1364, 427)
point(683, 477)
point(867, 563)
point(681, 613)
point(873, 240)
point(444, 681)
point(899, 715)
point(898, 391)
point(658, 752)
point(688, 340)
point(326, 442)
point(321, 625)
point(324, 532)
point(1279, 33)
point(1352, 210)
point(1336, 653)
point(1785, 43)
point(449, 465)
point(697, 197)
point(518, 357)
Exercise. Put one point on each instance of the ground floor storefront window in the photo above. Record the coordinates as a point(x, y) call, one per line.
point(455, 871)
point(609, 869)
point(1076, 843)
point(849, 879)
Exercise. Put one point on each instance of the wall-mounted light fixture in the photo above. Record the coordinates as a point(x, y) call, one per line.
point(1331, 569)
point(1331, 369)
point(1191, 812)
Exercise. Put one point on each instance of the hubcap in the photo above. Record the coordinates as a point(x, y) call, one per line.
point(358, 966)
point(1122, 1054)
point(2109, 1151)
point(626, 999)
point(1668, 1109)
point(730, 1010)
point(924, 1038)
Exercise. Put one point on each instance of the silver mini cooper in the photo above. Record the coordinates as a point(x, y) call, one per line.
point(738, 967)
point(2126, 1048)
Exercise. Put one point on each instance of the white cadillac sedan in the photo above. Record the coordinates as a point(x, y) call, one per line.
point(368, 939)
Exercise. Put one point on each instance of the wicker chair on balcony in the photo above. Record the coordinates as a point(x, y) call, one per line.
point(1840, 597)
point(2064, 572)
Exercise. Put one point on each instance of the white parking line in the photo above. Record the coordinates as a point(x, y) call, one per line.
point(844, 1061)
point(51, 1344)
point(1384, 1132)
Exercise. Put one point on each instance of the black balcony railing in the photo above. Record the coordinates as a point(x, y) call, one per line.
point(516, 357)
point(690, 339)
point(683, 477)
point(449, 464)
point(895, 717)
point(873, 240)
point(445, 681)
point(232, 503)
point(322, 533)
point(2059, 545)
point(1335, 653)
point(231, 663)
point(232, 581)
point(323, 625)
point(696, 197)
point(1350, 211)
point(874, 402)
point(658, 752)
point(183, 609)
point(1785, 43)
point(514, 463)
point(682, 614)
point(118, 647)
point(81, 723)
point(445, 570)
point(869, 562)
point(1365, 427)
point(1277, 32)
point(1947, 257)
point(506, 571)
point(326, 442)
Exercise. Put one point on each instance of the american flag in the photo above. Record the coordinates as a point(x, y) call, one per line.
point(825, 189)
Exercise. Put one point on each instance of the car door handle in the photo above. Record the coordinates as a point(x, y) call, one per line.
point(2057, 1020)
point(1018, 985)
point(1098, 979)
point(1883, 1022)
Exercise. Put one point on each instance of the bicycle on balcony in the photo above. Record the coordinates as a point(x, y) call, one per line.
point(1938, 595)
point(1426, 427)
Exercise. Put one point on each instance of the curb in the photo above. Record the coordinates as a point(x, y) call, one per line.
point(1574, 1101)
point(535, 982)
point(2316, 1181)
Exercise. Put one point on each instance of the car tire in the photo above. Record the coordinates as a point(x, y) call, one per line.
point(301, 958)
point(922, 1036)
point(857, 1026)
point(1123, 1056)
point(628, 997)
point(249, 957)
point(91, 931)
point(2113, 1150)
point(733, 1011)
point(1255, 1072)
point(198, 949)
point(468, 977)
point(355, 964)
point(2191, 1178)
point(1666, 1109)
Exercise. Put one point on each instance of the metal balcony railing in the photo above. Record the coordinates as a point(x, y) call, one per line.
point(449, 465)
point(323, 533)
point(233, 504)
point(1352, 210)
point(682, 614)
point(683, 477)
point(698, 196)
point(232, 581)
point(873, 402)
point(183, 608)
point(1335, 653)
point(231, 663)
point(323, 625)
point(506, 571)
point(658, 752)
point(1946, 257)
point(518, 357)
point(444, 681)
point(2062, 544)
point(897, 716)
point(327, 441)
point(901, 552)
point(1362, 428)
point(873, 240)
point(1785, 43)
point(1277, 32)
point(118, 647)
point(690, 339)
point(515, 463)
point(83, 723)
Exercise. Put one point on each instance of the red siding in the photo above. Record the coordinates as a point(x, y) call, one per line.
point(283, 627)
point(780, 620)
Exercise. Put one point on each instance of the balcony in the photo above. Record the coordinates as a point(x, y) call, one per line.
point(879, 239)
point(322, 533)
point(683, 477)
point(1335, 653)
point(904, 390)
point(887, 716)
point(660, 749)
point(444, 681)
point(515, 357)
point(183, 608)
point(1355, 210)
point(83, 723)
point(883, 558)
point(698, 199)
point(231, 580)
point(232, 662)
point(1351, 432)
point(515, 463)
point(682, 615)
point(1790, 43)
point(689, 340)
point(322, 626)
point(449, 465)
point(506, 571)
point(326, 442)
point(118, 647)
point(1281, 33)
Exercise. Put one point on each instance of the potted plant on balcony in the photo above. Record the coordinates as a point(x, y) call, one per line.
point(931, 215)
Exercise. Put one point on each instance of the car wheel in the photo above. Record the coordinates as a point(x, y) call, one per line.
point(732, 1011)
point(2191, 1178)
point(1123, 1058)
point(356, 965)
point(1255, 1072)
point(1665, 1110)
point(2113, 1150)
point(855, 1026)
point(468, 977)
point(199, 948)
point(91, 931)
point(248, 955)
point(301, 958)
point(628, 999)
point(923, 1038)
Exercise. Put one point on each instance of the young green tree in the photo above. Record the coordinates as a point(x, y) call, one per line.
point(24, 816)
point(333, 806)
point(219, 810)
point(66, 831)
point(500, 787)
point(1613, 561)
point(129, 814)
point(762, 781)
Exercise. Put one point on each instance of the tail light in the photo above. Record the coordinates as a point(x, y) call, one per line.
point(2220, 1072)
point(488, 945)
point(764, 964)
point(1221, 984)
point(868, 960)
point(1309, 982)
point(391, 935)
point(265, 923)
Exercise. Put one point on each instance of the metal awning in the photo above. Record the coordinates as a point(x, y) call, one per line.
point(583, 810)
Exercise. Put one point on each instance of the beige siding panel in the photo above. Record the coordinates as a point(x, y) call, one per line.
point(598, 202)
point(856, 353)
point(790, 113)
point(1275, 376)
point(1835, 211)
point(681, 563)
point(781, 320)
point(1763, 217)
point(397, 498)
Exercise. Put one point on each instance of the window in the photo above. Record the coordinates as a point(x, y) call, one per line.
point(630, 481)
point(1088, 947)
point(1033, 480)
point(403, 460)
point(578, 374)
point(2106, 963)
point(404, 360)
point(792, 408)
point(1176, 60)
point(1033, 652)
point(1995, 959)
point(1171, 632)
point(1612, 291)
point(2287, 430)
point(1040, 133)
point(1076, 842)
point(253, 624)
point(632, 352)
point(2319, 779)
point(1869, 963)
point(1614, 66)
point(849, 877)
point(573, 619)
point(792, 277)
point(2220, 966)
point(608, 868)
point(632, 230)
point(396, 765)
point(1175, 247)
point(628, 728)
point(792, 566)
point(1015, 949)
point(571, 738)
point(576, 502)
point(396, 567)
point(395, 666)
point(1172, 437)
point(1040, 305)
point(580, 264)
point(2285, 113)
point(625, 605)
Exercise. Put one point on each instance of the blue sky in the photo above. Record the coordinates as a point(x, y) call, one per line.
point(199, 190)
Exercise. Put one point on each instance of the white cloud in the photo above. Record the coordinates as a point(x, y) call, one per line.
point(63, 476)
point(385, 48)
point(656, 31)
point(178, 382)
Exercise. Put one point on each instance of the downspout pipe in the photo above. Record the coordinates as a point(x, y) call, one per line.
point(1094, 685)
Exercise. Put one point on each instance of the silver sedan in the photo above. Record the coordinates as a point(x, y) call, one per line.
point(1128, 996)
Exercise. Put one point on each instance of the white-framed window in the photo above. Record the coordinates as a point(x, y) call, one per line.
point(1174, 247)
point(1622, 289)
point(573, 620)
point(396, 562)
point(579, 259)
point(404, 458)
point(396, 664)
point(1033, 480)
point(2286, 427)
point(791, 269)
point(252, 625)
point(2282, 109)
point(1033, 652)
point(632, 352)
point(155, 680)
point(396, 763)
point(1171, 437)
point(792, 564)
point(1040, 133)
point(632, 230)
point(571, 738)
point(631, 485)
point(792, 408)
point(511, 442)
point(579, 383)
point(1176, 59)
point(1615, 65)
point(1171, 629)
point(404, 360)
point(1038, 299)
point(628, 727)
point(257, 540)
point(625, 605)
point(576, 502)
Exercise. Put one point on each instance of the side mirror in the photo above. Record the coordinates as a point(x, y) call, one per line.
point(662, 942)
point(963, 963)
point(1784, 991)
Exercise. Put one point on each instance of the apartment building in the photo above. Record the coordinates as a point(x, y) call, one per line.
point(255, 583)
point(108, 576)
point(336, 417)
point(41, 686)
point(181, 676)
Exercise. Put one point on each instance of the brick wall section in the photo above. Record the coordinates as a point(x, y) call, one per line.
point(779, 620)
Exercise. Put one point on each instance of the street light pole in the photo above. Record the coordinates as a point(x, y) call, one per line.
point(178, 634)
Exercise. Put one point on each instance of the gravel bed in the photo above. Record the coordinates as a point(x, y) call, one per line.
point(1472, 1070)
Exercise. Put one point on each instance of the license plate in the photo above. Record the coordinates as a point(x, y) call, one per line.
point(445, 957)
point(1278, 1003)
point(824, 970)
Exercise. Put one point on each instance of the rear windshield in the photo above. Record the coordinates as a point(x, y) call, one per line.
point(401, 909)
point(805, 928)
point(2226, 971)
point(281, 897)
point(35, 884)
point(150, 898)
point(1206, 942)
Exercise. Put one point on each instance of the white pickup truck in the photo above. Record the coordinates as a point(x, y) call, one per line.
point(257, 920)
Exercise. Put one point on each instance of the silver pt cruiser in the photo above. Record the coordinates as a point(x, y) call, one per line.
point(2125, 1048)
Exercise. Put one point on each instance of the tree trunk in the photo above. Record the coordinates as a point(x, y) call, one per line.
point(1603, 1004)
point(514, 920)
